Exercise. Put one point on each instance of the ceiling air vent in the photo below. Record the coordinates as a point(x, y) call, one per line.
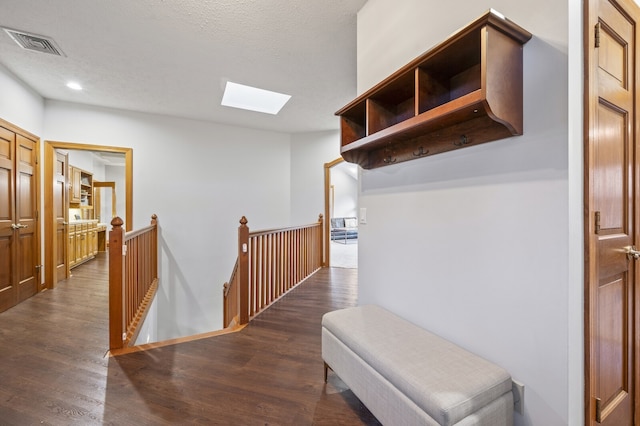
point(34, 42)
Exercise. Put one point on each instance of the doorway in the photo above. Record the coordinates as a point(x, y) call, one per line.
point(53, 245)
point(341, 213)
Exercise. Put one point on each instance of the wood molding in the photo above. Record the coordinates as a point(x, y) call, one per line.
point(19, 130)
point(177, 340)
point(327, 217)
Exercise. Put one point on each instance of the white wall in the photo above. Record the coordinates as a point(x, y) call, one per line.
point(345, 194)
point(199, 178)
point(309, 153)
point(473, 244)
point(19, 104)
point(86, 161)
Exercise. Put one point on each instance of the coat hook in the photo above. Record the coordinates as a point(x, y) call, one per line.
point(463, 141)
point(420, 152)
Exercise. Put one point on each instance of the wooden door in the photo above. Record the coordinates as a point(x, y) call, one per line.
point(19, 233)
point(611, 225)
point(60, 213)
point(28, 249)
point(8, 250)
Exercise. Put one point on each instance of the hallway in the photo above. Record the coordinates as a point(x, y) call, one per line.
point(54, 370)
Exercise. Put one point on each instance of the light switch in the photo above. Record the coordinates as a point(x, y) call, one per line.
point(363, 215)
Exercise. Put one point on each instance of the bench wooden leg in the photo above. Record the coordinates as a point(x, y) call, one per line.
point(326, 368)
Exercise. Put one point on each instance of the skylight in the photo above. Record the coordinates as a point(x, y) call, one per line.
point(253, 99)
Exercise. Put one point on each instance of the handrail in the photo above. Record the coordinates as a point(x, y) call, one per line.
point(230, 299)
point(270, 263)
point(271, 231)
point(133, 279)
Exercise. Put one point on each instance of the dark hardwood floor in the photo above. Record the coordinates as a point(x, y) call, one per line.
point(53, 368)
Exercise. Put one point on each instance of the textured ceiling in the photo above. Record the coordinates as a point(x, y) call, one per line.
point(173, 57)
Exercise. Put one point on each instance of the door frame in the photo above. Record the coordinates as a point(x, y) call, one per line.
point(327, 217)
point(590, 254)
point(328, 204)
point(49, 225)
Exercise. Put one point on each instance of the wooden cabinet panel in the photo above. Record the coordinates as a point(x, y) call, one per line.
point(463, 92)
point(83, 242)
point(72, 246)
point(74, 186)
point(92, 245)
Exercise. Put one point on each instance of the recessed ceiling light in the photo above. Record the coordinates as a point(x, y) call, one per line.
point(74, 86)
point(253, 99)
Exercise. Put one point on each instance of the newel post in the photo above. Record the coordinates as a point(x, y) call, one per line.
point(154, 248)
point(243, 270)
point(116, 273)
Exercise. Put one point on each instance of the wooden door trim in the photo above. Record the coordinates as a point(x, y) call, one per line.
point(327, 218)
point(19, 130)
point(112, 185)
point(49, 155)
point(590, 94)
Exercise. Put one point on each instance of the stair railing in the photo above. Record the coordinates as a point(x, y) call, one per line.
point(270, 263)
point(133, 279)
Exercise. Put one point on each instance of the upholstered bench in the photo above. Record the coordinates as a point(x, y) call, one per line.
point(406, 375)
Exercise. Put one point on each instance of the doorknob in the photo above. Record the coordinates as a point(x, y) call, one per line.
point(18, 226)
point(632, 253)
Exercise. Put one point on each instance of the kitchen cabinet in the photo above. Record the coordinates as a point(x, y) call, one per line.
point(80, 189)
point(83, 242)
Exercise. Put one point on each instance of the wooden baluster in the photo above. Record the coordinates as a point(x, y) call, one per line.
point(116, 326)
point(321, 242)
point(267, 268)
point(272, 267)
point(154, 247)
point(243, 269)
point(253, 274)
point(281, 257)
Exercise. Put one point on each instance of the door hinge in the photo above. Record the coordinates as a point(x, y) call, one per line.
point(598, 410)
point(36, 214)
point(597, 35)
point(597, 222)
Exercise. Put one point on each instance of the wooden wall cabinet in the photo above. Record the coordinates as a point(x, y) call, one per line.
point(463, 92)
point(80, 188)
point(74, 187)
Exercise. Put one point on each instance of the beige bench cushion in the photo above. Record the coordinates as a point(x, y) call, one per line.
point(446, 381)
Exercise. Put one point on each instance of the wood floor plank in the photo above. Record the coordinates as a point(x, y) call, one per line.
point(53, 369)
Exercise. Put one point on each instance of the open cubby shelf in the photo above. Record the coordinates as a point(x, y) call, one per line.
point(464, 91)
